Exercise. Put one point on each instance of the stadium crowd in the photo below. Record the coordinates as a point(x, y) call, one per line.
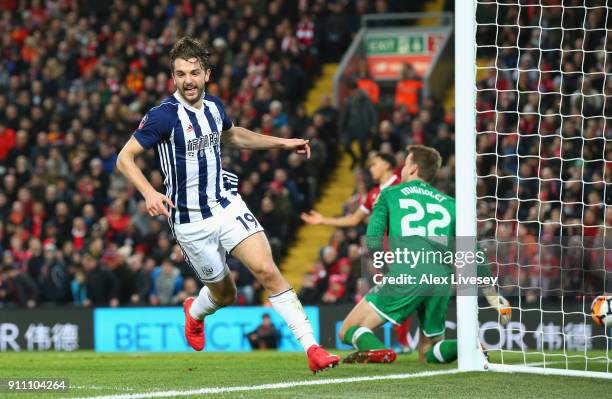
point(75, 80)
point(543, 165)
point(549, 147)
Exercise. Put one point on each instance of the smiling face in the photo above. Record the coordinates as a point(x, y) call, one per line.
point(190, 79)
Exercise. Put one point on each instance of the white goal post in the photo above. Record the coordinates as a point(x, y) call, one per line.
point(573, 346)
point(469, 357)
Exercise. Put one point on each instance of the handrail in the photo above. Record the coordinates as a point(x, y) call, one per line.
point(346, 58)
point(446, 17)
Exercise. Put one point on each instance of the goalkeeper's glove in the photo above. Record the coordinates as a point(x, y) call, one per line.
point(500, 303)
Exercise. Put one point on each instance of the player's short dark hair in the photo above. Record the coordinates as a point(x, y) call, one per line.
point(187, 48)
point(388, 158)
point(428, 160)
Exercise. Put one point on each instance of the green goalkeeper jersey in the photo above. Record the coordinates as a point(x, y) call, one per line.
point(420, 223)
point(414, 209)
point(420, 219)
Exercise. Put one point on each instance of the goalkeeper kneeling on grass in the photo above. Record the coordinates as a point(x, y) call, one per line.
point(410, 212)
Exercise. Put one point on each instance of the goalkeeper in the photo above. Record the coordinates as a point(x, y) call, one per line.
point(419, 219)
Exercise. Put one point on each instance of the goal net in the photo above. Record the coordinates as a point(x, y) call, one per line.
point(543, 151)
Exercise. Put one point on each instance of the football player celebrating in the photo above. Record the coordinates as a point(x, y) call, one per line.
point(208, 220)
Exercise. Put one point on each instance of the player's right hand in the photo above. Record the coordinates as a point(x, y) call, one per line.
point(498, 302)
point(156, 203)
point(505, 310)
point(503, 307)
point(312, 217)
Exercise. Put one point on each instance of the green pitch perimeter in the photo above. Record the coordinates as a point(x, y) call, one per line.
point(130, 375)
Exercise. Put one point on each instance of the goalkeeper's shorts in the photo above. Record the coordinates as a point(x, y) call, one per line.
point(396, 304)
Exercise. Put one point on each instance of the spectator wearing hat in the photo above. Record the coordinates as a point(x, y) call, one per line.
point(265, 336)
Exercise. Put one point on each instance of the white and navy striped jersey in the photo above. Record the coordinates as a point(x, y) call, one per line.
point(187, 143)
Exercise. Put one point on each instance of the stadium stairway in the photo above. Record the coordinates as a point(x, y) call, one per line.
point(438, 6)
point(305, 250)
point(323, 86)
point(309, 240)
point(431, 6)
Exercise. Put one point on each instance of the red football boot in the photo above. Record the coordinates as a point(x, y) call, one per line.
point(194, 329)
point(319, 359)
point(372, 356)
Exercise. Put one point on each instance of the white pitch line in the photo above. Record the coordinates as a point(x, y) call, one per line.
point(280, 385)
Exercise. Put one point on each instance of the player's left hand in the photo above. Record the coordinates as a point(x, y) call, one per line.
point(300, 146)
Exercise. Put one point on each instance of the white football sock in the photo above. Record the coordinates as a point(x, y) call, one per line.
point(203, 305)
point(289, 307)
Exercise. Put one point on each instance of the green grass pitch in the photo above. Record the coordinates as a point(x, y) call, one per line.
point(129, 375)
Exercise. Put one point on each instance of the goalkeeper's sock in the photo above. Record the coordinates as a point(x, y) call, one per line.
point(288, 306)
point(442, 352)
point(362, 339)
point(203, 305)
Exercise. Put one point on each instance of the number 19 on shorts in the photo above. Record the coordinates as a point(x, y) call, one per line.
point(248, 221)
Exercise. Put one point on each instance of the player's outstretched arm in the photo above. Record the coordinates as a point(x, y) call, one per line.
point(352, 220)
point(156, 201)
point(240, 137)
point(495, 300)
